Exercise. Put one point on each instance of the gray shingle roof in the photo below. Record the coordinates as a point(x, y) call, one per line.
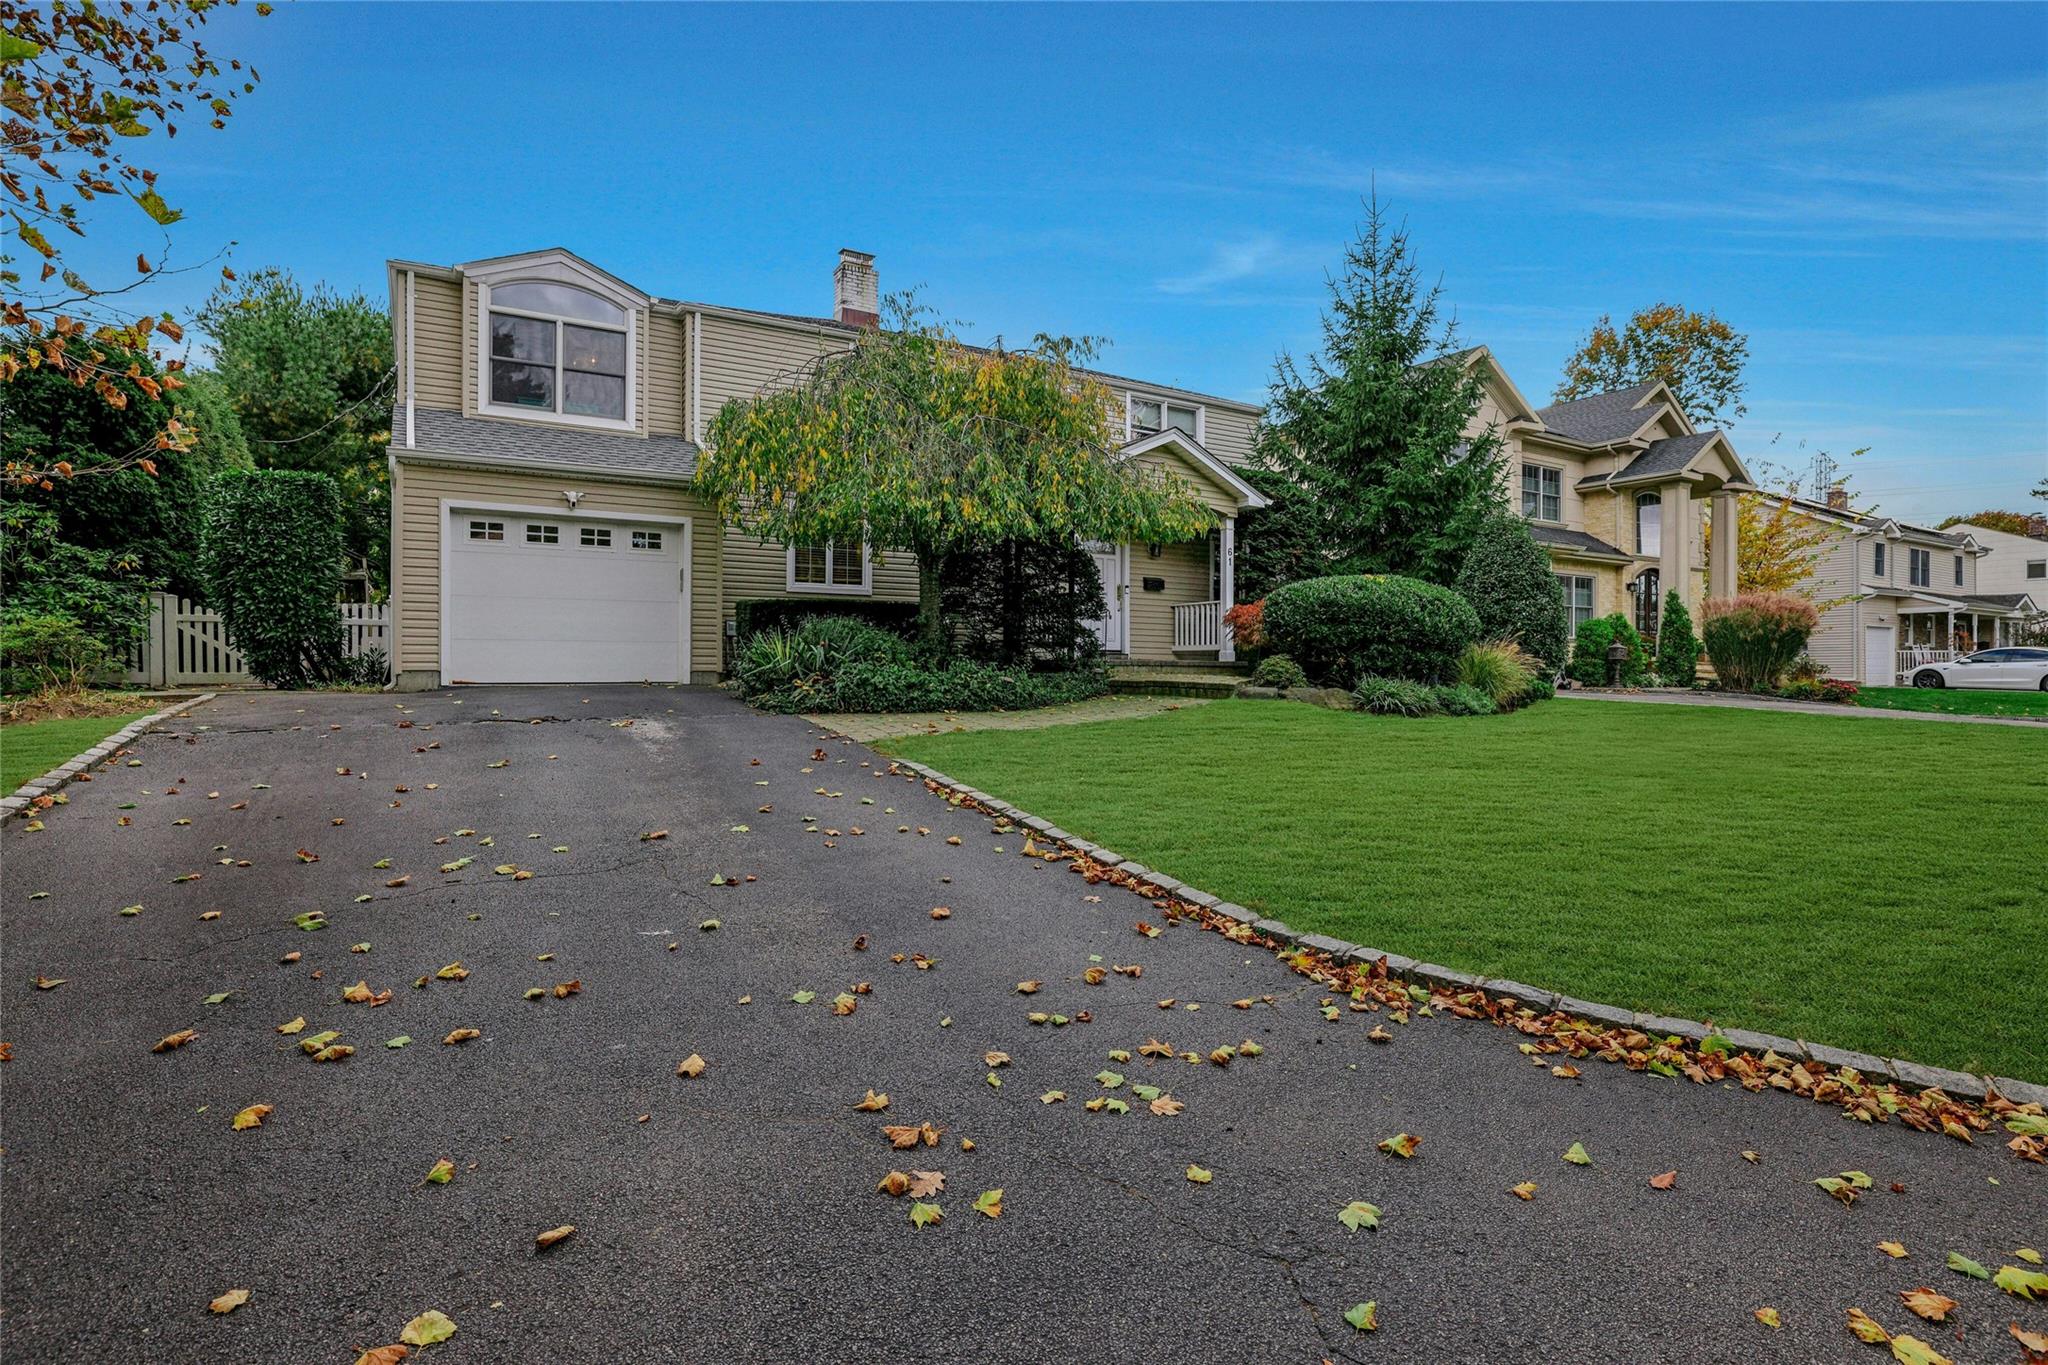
point(511, 442)
point(2006, 601)
point(1669, 455)
point(1562, 539)
point(1602, 418)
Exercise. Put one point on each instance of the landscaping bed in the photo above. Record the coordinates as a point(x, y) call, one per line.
point(1670, 859)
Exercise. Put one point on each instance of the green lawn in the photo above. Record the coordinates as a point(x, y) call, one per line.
point(32, 749)
point(1957, 701)
point(1873, 886)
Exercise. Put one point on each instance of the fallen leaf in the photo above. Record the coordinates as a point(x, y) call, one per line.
point(2029, 1255)
point(1769, 1318)
point(50, 983)
point(1364, 1316)
point(873, 1103)
point(652, 835)
point(989, 1203)
point(428, 1328)
point(1526, 1190)
point(230, 1301)
point(1401, 1145)
point(565, 989)
point(1166, 1106)
point(252, 1117)
point(1913, 1351)
point(443, 1171)
point(1664, 1181)
point(895, 1184)
point(461, 1035)
point(542, 1241)
point(691, 1066)
point(1052, 1097)
point(1926, 1303)
point(925, 1184)
point(1964, 1265)
point(1576, 1155)
point(2024, 1283)
point(1895, 1250)
point(923, 1215)
point(2036, 1342)
point(1359, 1214)
point(1200, 1176)
point(175, 1040)
point(1867, 1328)
point(941, 912)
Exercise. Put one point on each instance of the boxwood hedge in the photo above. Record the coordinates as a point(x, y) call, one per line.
point(1342, 627)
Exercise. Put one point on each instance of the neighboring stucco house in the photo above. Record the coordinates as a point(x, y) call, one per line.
point(1899, 595)
point(1614, 487)
point(548, 422)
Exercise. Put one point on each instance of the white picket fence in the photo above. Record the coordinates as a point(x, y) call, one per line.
point(188, 645)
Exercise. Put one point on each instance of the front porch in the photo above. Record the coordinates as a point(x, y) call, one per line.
point(1936, 631)
point(1166, 602)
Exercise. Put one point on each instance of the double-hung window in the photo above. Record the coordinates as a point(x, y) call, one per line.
point(554, 348)
point(2037, 568)
point(1959, 571)
point(1877, 559)
point(1542, 492)
point(1919, 567)
point(1150, 416)
point(1578, 599)
point(830, 566)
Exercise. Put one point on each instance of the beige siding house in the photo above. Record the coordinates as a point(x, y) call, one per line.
point(545, 439)
point(1616, 488)
point(1897, 595)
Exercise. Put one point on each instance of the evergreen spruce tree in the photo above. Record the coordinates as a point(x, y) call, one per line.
point(1678, 649)
point(1373, 432)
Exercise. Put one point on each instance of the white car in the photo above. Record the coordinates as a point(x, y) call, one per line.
point(2014, 669)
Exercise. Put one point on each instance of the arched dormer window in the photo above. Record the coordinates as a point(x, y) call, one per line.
point(1649, 524)
point(556, 349)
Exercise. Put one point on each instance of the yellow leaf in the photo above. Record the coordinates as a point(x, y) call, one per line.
point(1866, 1327)
point(1200, 1176)
point(428, 1328)
point(1895, 1250)
point(461, 1035)
point(1769, 1318)
point(542, 1241)
point(1927, 1303)
point(252, 1117)
point(293, 1026)
point(1525, 1190)
point(230, 1301)
point(1913, 1351)
point(175, 1040)
point(873, 1103)
point(692, 1066)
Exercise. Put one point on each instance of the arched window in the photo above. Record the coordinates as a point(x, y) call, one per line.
point(556, 348)
point(1649, 524)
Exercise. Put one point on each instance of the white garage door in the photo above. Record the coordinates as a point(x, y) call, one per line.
point(561, 599)
point(1880, 666)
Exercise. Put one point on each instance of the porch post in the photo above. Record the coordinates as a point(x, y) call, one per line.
point(1226, 648)
point(1722, 561)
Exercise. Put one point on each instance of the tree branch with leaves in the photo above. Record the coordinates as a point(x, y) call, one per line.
point(910, 439)
point(1698, 356)
point(78, 84)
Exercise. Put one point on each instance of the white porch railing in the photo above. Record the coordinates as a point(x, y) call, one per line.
point(1910, 659)
point(187, 645)
point(1198, 625)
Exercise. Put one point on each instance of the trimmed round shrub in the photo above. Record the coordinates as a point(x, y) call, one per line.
point(1277, 670)
point(1397, 697)
point(1344, 627)
point(1589, 652)
point(1754, 638)
point(270, 553)
point(1508, 580)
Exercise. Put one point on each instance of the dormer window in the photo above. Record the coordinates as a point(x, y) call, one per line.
point(556, 349)
point(1150, 416)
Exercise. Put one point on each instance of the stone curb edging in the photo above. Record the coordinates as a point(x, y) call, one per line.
point(23, 797)
point(1912, 1075)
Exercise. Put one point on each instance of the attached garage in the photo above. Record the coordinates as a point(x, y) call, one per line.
point(532, 595)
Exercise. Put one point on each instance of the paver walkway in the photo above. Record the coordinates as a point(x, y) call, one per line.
point(734, 1216)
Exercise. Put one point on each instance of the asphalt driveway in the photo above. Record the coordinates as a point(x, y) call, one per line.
point(734, 1216)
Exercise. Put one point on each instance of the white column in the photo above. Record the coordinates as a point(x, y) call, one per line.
point(1226, 651)
point(1723, 557)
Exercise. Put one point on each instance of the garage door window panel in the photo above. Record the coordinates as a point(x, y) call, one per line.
point(487, 530)
point(595, 537)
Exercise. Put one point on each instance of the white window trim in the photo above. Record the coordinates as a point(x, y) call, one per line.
point(1201, 414)
point(2032, 565)
point(796, 589)
point(454, 509)
point(1539, 518)
point(551, 271)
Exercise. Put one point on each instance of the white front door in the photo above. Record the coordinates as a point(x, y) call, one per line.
point(1880, 658)
point(537, 597)
point(1109, 563)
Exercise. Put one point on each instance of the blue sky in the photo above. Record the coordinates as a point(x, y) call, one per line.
point(1864, 190)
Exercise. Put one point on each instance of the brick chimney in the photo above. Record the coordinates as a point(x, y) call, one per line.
point(1838, 497)
point(856, 297)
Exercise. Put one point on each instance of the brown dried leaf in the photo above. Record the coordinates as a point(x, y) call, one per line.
point(1664, 1181)
point(873, 1103)
point(925, 1184)
point(230, 1301)
point(691, 1066)
point(543, 1241)
point(175, 1040)
point(1927, 1303)
point(461, 1035)
point(895, 1184)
